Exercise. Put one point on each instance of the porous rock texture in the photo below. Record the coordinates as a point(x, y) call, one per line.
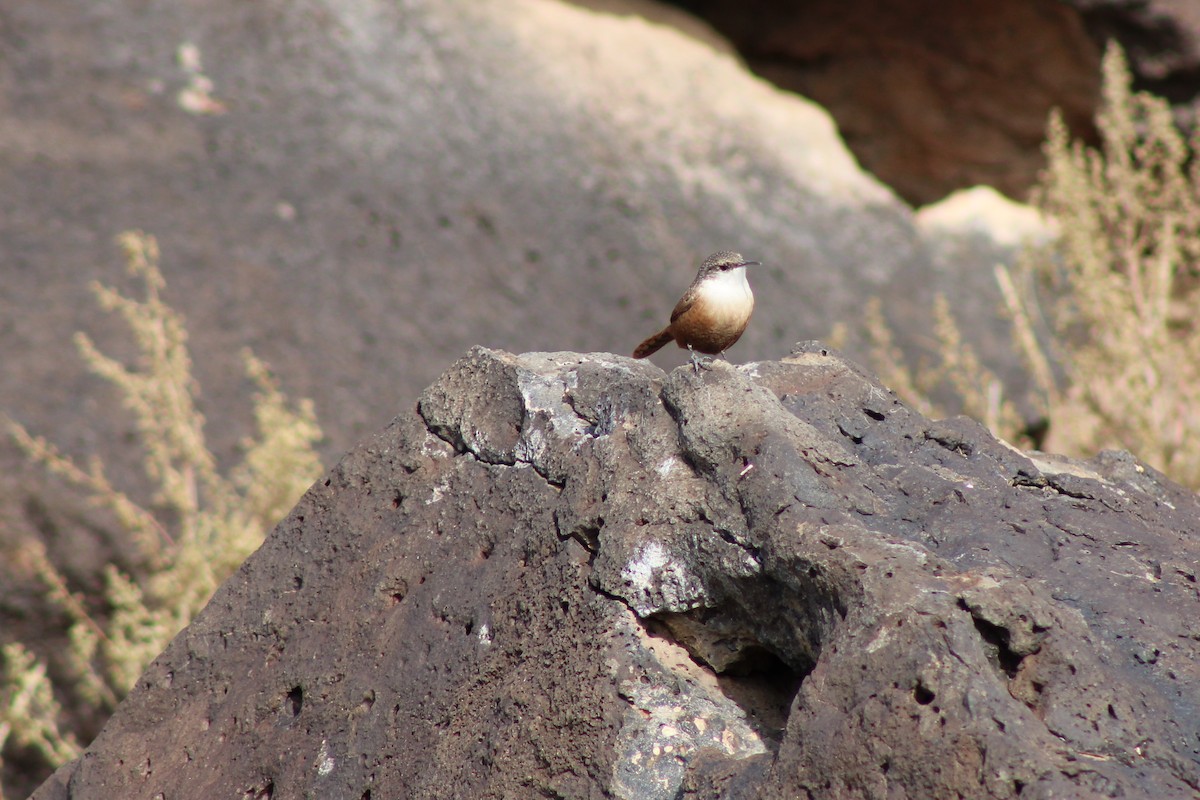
point(566, 575)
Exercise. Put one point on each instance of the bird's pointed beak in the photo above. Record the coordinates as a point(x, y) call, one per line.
point(751, 264)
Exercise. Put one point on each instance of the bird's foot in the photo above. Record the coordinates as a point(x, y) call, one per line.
point(699, 361)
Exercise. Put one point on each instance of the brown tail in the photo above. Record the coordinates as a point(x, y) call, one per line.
point(654, 343)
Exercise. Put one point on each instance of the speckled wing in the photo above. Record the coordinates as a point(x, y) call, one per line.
point(685, 302)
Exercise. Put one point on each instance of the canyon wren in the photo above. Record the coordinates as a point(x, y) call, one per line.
point(713, 311)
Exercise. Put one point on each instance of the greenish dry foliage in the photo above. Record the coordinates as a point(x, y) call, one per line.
point(957, 370)
point(215, 521)
point(1124, 275)
point(31, 712)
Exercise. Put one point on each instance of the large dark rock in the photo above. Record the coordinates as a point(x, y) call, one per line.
point(567, 575)
point(936, 95)
point(931, 95)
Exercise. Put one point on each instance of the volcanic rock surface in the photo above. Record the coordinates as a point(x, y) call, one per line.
point(565, 575)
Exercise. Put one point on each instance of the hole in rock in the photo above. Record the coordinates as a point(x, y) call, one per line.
point(760, 682)
point(265, 792)
point(296, 700)
point(749, 673)
point(923, 695)
point(588, 536)
point(995, 641)
point(759, 661)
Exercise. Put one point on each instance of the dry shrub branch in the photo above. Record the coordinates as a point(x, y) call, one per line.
point(1116, 290)
point(204, 525)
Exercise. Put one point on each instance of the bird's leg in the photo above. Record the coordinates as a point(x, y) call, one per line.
point(698, 360)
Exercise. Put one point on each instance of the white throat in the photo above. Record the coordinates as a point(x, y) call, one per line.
point(728, 288)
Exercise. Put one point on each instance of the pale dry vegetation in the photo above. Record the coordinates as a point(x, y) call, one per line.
point(204, 524)
point(1116, 293)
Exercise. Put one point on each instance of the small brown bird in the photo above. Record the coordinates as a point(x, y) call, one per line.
point(712, 313)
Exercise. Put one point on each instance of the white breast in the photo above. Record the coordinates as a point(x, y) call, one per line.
point(728, 297)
